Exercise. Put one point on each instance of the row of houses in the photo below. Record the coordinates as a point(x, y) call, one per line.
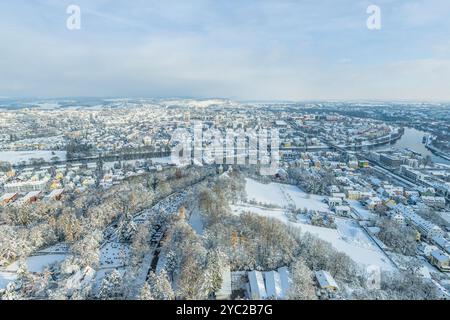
point(425, 227)
point(29, 197)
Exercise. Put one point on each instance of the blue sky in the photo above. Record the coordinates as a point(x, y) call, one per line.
point(239, 49)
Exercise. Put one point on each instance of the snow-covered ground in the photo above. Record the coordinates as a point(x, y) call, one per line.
point(362, 212)
point(38, 263)
point(348, 238)
point(5, 278)
point(283, 195)
point(15, 157)
point(34, 264)
point(114, 255)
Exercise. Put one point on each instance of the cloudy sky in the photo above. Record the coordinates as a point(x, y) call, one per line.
point(239, 49)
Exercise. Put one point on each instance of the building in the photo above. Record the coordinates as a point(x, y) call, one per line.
point(398, 218)
point(353, 194)
point(26, 186)
point(8, 198)
point(286, 281)
point(440, 260)
point(442, 243)
point(412, 174)
point(273, 285)
point(426, 228)
point(372, 202)
point(269, 285)
point(333, 202)
point(326, 281)
point(390, 160)
point(30, 197)
point(256, 286)
point(426, 249)
point(363, 163)
point(435, 202)
point(342, 210)
point(55, 195)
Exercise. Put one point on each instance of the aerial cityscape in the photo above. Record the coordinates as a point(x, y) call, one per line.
point(96, 203)
point(168, 176)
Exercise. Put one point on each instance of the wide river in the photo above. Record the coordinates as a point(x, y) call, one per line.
point(412, 139)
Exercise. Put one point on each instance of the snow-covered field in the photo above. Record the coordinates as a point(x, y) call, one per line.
point(38, 263)
point(283, 195)
point(348, 238)
point(33, 263)
point(15, 157)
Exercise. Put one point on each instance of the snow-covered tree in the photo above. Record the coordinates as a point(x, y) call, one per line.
point(86, 251)
point(126, 228)
point(111, 286)
point(302, 287)
point(10, 293)
point(160, 286)
point(146, 292)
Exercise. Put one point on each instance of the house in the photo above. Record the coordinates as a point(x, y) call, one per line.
point(442, 243)
point(353, 194)
point(440, 260)
point(333, 189)
point(398, 218)
point(426, 249)
point(55, 195)
point(8, 198)
point(30, 197)
point(333, 202)
point(342, 210)
point(338, 195)
point(326, 281)
point(425, 227)
point(256, 285)
point(372, 202)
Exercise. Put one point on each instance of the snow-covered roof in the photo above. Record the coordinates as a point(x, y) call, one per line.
point(342, 208)
point(273, 284)
point(440, 256)
point(326, 281)
point(55, 193)
point(31, 194)
point(257, 288)
point(7, 196)
point(286, 281)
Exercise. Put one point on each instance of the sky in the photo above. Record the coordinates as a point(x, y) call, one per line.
point(237, 49)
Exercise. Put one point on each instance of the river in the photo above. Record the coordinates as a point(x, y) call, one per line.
point(412, 139)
